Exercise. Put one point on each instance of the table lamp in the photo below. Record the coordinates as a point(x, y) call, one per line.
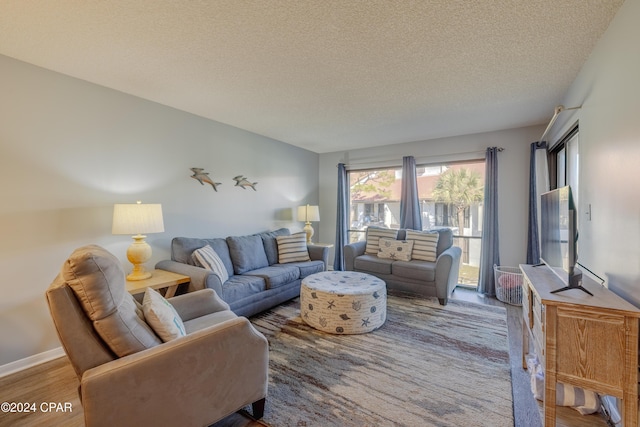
point(307, 214)
point(137, 219)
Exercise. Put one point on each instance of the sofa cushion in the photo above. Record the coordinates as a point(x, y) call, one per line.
point(97, 279)
point(424, 271)
point(292, 248)
point(445, 240)
point(239, 287)
point(395, 249)
point(270, 244)
point(308, 267)
point(182, 248)
point(425, 244)
point(161, 316)
point(276, 275)
point(247, 253)
point(374, 234)
point(207, 258)
point(373, 264)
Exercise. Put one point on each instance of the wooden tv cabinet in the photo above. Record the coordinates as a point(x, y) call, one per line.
point(582, 340)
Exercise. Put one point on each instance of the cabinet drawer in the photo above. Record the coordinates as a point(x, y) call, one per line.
point(537, 311)
point(526, 304)
point(537, 325)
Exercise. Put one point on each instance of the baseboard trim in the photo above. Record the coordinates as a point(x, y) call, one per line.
point(31, 361)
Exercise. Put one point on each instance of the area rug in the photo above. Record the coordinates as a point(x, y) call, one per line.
point(428, 365)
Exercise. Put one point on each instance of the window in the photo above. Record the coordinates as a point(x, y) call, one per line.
point(564, 163)
point(450, 196)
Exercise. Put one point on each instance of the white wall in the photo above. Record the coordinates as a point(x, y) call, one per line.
point(69, 150)
point(608, 88)
point(513, 177)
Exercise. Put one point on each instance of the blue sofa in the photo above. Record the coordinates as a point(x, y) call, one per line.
point(256, 281)
point(417, 277)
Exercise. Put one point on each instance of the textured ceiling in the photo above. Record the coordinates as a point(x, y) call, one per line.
point(325, 75)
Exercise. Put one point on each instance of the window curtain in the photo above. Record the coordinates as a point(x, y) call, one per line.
point(490, 248)
point(538, 184)
point(409, 201)
point(341, 218)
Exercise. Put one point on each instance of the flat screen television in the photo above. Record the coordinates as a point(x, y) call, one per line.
point(559, 237)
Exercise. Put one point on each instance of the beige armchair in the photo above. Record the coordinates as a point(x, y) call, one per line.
point(128, 376)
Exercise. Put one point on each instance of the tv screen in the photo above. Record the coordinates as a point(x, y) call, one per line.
point(558, 233)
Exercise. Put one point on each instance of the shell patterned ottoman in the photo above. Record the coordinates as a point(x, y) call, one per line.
point(343, 302)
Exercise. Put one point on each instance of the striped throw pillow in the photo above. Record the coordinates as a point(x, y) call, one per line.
point(373, 236)
point(206, 257)
point(292, 248)
point(425, 245)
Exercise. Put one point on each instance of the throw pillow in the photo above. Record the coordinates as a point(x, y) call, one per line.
point(399, 250)
point(247, 253)
point(206, 257)
point(292, 248)
point(374, 234)
point(161, 316)
point(425, 244)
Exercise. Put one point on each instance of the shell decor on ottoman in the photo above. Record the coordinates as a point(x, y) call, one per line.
point(343, 302)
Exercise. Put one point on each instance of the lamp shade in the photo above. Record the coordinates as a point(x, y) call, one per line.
point(308, 213)
point(137, 218)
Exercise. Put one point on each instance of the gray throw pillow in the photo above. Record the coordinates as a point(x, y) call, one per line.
point(247, 253)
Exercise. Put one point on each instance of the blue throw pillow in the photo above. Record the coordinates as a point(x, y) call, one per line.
point(247, 253)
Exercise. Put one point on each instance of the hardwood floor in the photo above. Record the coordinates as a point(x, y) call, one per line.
point(56, 382)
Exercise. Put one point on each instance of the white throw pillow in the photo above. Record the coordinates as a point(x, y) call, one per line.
point(425, 244)
point(374, 234)
point(161, 316)
point(399, 250)
point(292, 248)
point(206, 257)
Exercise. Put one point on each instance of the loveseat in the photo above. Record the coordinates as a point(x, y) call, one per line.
point(255, 272)
point(437, 276)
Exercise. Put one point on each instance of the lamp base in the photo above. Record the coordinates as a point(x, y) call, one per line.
point(309, 230)
point(138, 253)
point(138, 275)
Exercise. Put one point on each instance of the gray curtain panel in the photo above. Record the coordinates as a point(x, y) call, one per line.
point(409, 202)
point(342, 218)
point(533, 240)
point(490, 248)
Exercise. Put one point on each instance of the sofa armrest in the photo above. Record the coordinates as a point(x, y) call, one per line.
point(201, 278)
point(193, 380)
point(447, 270)
point(351, 251)
point(198, 304)
point(319, 253)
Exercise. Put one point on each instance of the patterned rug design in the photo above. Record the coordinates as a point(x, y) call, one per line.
point(428, 365)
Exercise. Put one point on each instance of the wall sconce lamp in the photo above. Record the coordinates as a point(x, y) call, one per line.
point(307, 214)
point(137, 219)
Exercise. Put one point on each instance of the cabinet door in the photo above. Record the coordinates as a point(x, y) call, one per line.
point(591, 349)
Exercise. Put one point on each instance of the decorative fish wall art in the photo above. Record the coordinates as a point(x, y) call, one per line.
point(201, 176)
point(242, 181)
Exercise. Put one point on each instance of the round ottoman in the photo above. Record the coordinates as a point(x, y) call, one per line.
point(343, 302)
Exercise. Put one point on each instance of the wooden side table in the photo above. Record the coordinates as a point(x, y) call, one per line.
point(160, 279)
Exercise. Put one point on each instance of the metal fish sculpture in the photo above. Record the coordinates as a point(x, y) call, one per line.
point(243, 182)
point(202, 177)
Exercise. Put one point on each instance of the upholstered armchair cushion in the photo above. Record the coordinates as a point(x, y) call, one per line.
point(98, 282)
